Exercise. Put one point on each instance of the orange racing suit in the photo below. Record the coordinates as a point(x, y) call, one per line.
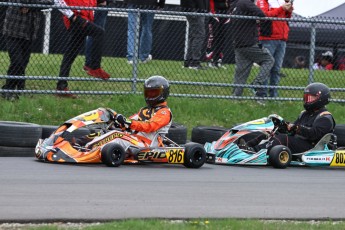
point(147, 123)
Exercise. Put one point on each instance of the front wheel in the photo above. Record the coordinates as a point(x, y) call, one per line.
point(113, 155)
point(194, 155)
point(280, 156)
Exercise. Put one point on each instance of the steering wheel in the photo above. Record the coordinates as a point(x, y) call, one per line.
point(279, 122)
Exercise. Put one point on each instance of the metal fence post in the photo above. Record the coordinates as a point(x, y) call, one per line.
point(47, 25)
point(136, 49)
point(186, 40)
point(312, 53)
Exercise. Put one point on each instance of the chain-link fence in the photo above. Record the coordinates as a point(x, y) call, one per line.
point(310, 41)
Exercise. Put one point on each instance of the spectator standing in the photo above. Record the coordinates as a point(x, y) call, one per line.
point(79, 25)
point(196, 32)
point(146, 22)
point(326, 61)
point(216, 33)
point(100, 18)
point(273, 36)
point(247, 49)
point(20, 29)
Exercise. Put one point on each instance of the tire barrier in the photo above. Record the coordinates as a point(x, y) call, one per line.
point(203, 134)
point(177, 133)
point(19, 134)
point(6, 151)
point(19, 139)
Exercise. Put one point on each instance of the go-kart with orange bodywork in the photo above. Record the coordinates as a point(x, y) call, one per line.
point(62, 145)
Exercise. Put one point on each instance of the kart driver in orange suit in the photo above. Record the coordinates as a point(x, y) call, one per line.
point(155, 118)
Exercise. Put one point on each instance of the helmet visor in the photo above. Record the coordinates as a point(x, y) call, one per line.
point(310, 98)
point(153, 93)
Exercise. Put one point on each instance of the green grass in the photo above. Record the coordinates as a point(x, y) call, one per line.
point(48, 65)
point(191, 112)
point(230, 224)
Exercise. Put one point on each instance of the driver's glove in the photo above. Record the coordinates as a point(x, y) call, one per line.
point(124, 122)
point(293, 129)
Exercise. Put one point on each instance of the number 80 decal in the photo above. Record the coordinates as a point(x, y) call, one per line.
point(175, 156)
point(338, 158)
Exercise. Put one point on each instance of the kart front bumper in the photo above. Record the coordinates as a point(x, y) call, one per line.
point(210, 158)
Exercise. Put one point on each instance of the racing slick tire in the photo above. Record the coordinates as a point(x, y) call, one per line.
point(6, 151)
point(19, 134)
point(113, 155)
point(194, 156)
point(203, 134)
point(280, 156)
point(339, 131)
point(177, 133)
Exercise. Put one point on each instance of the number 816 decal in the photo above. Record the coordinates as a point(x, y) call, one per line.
point(338, 158)
point(175, 156)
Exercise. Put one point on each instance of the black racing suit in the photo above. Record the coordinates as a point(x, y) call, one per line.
point(311, 127)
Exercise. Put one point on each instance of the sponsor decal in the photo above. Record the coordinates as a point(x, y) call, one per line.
point(90, 116)
point(328, 159)
point(257, 122)
point(338, 158)
point(174, 156)
point(107, 139)
point(152, 154)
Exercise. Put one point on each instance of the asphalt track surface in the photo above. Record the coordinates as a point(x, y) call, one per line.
point(34, 191)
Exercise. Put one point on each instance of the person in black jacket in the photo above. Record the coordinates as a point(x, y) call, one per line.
point(216, 33)
point(310, 126)
point(146, 22)
point(247, 49)
point(196, 32)
point(20, 29)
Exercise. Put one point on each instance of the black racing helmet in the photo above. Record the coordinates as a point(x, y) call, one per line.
point(156, 90)
point(316, 96)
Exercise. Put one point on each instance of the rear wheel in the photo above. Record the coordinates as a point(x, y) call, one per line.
point(280, 156)
point(113, 155)
point(195, 155)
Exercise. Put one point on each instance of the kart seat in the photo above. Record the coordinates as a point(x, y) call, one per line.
point(330, 139)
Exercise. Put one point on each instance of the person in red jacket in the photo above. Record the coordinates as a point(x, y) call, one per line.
point(274, 34)
point(79, 24)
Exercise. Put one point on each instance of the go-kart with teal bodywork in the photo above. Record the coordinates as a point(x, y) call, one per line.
point(231, 150)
